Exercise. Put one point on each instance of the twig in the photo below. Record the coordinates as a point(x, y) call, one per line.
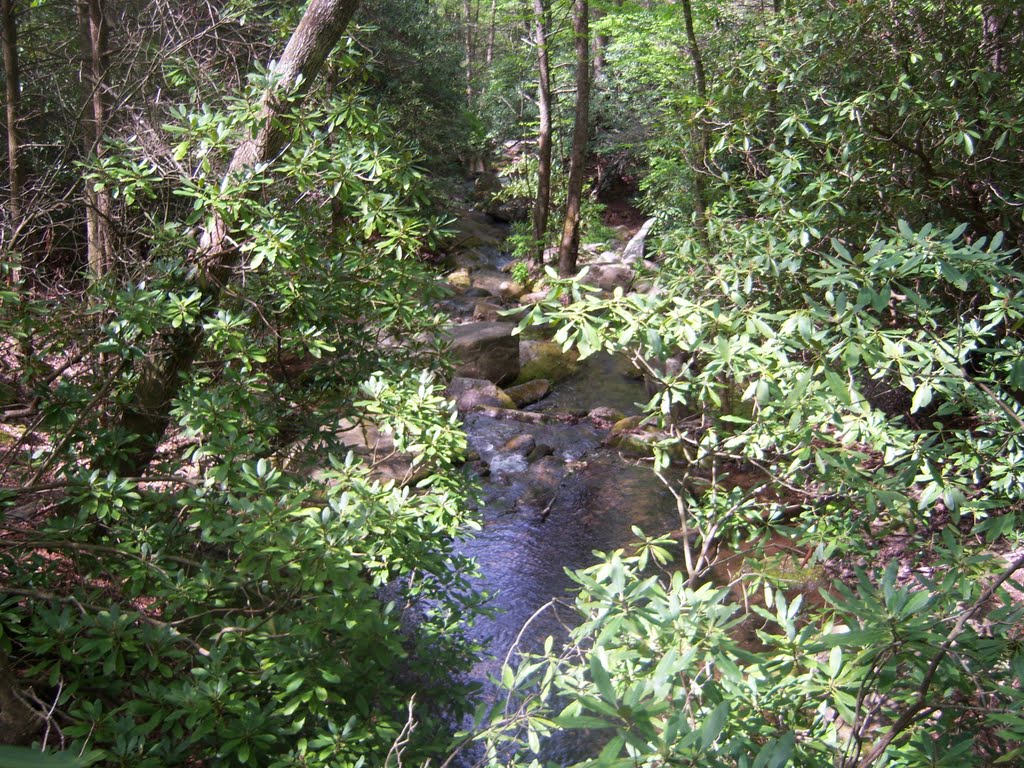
point(916, 708)
point(402, 740)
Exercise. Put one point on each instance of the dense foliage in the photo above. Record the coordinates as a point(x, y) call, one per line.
point(840, 393)
point(277, 585)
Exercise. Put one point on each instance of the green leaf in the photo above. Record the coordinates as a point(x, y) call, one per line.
point(922, 397)
point(613, 748)
point(713, 725)
point(580, 721)
point(599, 674)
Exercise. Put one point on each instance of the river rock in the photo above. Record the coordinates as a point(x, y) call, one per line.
point(522, 445)
point(604, 415)
point(485, 350)
point(510, 211)
point(467, 259)
point(497, 284)
point(545, 360)
point(635, 248)
point(635, 444)
point(469, 394)
point(626, 424)
point(607, 257)
point(533, 298)
point(529, 392)
point(460, 280)
point(487, 310)
point(486, 186)
point(539, 452)
point(475, 229)
point(546, 473)
point(608, 277)
point(457, 306)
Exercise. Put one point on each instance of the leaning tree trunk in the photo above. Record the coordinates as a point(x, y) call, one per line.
point(93, 36)
point(542, 204)
point(570, 244)
point(12, 75)
point(147, 412)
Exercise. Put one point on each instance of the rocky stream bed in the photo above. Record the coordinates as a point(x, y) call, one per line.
point(558, 446)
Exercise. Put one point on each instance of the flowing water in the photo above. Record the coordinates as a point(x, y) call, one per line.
point(545, 515)
point(553, 495)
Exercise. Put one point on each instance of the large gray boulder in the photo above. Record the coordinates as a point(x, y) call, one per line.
point(485, 350)
point(497, 284)
point(475, 229)
point(608, 277)
point(637, 245)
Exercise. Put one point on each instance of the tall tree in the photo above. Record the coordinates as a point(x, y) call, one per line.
point(470, 33)
point(542, 204)
point(703, 143)
point(145, 414)
point(570, 243)
point(15, 210)
point(92, 27)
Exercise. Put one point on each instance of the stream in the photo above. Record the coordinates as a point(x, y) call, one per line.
point(542, 517)
point(552, 492)
point(552, 495)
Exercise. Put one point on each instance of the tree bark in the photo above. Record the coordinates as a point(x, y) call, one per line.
point(993, 36)
point(569, 246)
point(12, 75)
point(93, 39)
point(542, 204)
point(470, 43)
point(146, 413)
point(601, 45)
point(703, 144)
point(492, 31)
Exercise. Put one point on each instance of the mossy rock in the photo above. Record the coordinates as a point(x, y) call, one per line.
point(529, 393)
point(460, 280)
point(545, 360)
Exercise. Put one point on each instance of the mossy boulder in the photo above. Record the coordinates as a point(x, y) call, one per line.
point(460, 280)
point(545, 360)
point(530, 392)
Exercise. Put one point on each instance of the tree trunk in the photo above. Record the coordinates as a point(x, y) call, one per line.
point(93, 39)
point(542, 205)
point(601, 44)
point(146, 414)
point(470, 42)
point(993, 38)
point(12, 75)
point(492, 30)
point(703, 143)
point(569, 247)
